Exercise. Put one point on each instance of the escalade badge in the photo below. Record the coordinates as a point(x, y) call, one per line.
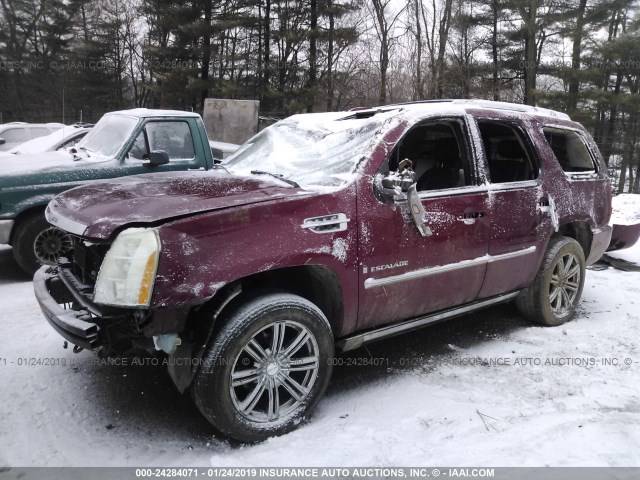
point(388, 266)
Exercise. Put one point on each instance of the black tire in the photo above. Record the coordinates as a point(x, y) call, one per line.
point(32, 229)
point(538, 302)
point(255, 320)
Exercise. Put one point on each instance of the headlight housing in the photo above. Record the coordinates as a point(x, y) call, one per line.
point(128, 271)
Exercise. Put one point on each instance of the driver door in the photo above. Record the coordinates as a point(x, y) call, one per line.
point(174, 137)
point(404, 274)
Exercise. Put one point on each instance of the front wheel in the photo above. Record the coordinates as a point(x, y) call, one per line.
point(266, 368)
point(552, 298)
point(38, 243)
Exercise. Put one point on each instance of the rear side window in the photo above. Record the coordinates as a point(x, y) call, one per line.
point(570, 150)
point(508, 157)
point(39, 131)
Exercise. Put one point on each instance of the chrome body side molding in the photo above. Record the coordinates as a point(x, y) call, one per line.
point(426, 272)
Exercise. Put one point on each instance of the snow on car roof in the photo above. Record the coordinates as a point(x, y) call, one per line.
point(149, 112)
point(336, 121)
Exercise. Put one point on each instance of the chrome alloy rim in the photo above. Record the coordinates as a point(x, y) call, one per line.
point(275, 371)
point(50, 244)
point(564, 285)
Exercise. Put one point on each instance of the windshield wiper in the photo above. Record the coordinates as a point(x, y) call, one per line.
point(87, 150)
point(279, 176)
point(220, 166)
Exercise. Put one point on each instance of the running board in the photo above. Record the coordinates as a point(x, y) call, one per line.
point(356, 341)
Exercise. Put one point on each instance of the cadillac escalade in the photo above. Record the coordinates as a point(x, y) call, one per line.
point(320, 234)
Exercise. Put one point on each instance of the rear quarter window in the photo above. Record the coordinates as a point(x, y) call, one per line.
point(39, 131)
point(570, 150)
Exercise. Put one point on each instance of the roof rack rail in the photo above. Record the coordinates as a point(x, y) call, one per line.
point(514, 107)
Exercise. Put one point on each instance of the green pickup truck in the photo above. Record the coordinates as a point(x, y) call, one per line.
point(127, 142)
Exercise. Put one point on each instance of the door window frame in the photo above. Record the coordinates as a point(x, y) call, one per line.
point(467, 147)
point(573, 176)
point(141, 128)
point(529, 145)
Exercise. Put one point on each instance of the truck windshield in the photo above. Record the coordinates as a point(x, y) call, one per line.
point(106, 138)
point(321, 150)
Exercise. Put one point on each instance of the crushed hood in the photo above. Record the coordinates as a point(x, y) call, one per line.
point(97, 210)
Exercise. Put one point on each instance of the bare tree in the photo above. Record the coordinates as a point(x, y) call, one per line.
point(385, 23)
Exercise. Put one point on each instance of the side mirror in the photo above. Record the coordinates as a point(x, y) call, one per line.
point(394, 185)
point(2, 141)
point(157, 158)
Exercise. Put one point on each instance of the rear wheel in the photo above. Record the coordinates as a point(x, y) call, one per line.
point(552, 298)
point(38, 243)
point(266, 369)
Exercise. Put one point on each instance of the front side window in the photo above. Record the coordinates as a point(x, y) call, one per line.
point(508, 158)
point(437, 156)
point(13, 135)
point(570, 150)
point(174, 138)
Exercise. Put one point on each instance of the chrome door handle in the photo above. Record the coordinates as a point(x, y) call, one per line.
point(469, 218)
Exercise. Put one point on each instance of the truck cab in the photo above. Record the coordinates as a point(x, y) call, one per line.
point(122, 143)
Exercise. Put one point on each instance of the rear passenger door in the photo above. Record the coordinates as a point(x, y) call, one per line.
point(516, 241)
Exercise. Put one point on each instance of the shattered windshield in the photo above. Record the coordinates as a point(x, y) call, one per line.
point(106, 138)
point(310, 150)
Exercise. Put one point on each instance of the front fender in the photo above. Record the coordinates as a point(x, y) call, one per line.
point(203, 253)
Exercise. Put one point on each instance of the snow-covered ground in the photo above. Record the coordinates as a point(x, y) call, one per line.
point(464, 392)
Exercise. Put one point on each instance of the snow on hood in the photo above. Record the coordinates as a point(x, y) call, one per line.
point(27, 164)
point(101, 208)
point(626, 209)
point(42, 162)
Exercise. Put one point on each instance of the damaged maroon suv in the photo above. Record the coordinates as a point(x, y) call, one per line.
point(320, 234)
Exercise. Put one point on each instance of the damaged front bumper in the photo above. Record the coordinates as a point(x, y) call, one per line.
point(91, 326)
point(75, 326)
